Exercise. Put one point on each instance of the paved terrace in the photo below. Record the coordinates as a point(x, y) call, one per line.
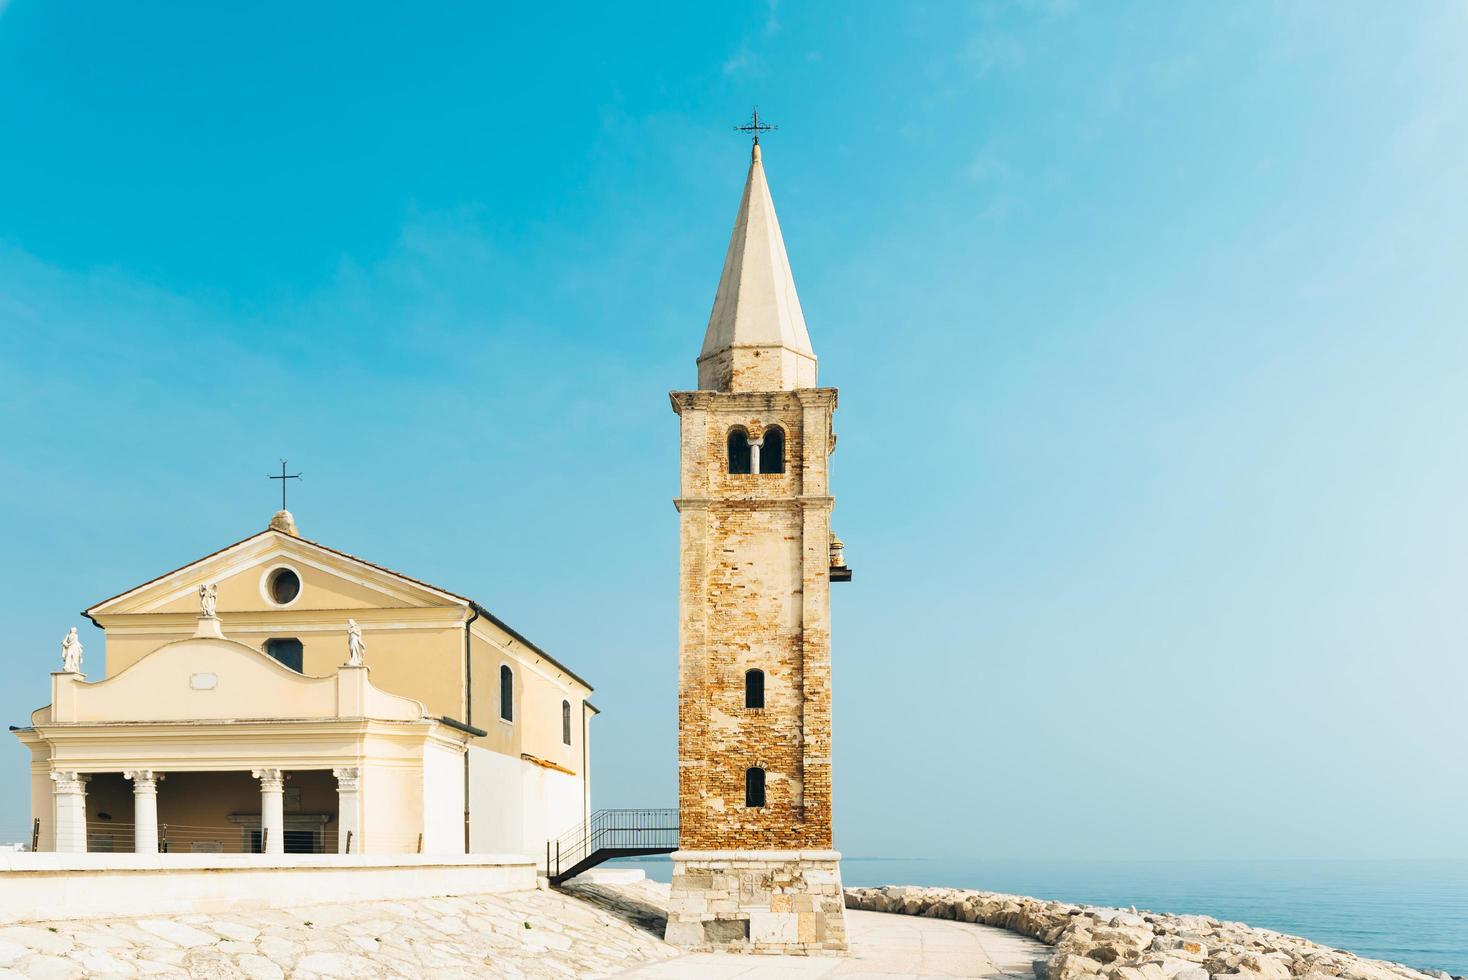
point(589, 931)
point(883, 946)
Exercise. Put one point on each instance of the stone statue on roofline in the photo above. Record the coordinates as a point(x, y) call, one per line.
point(356, 646)
point(71, 653)
point(208, 600)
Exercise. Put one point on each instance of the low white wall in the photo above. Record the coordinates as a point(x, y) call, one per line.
point(41, 886)
point(565, 799)
point(517, 806)
point(496, 806)
point(443, 800)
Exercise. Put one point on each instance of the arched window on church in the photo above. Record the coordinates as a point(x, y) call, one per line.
point(507, 693)
point(566, 722)
point(739, 456)
point(772, 453)
point(754, 689)
point(288, 651)
point(754, 787)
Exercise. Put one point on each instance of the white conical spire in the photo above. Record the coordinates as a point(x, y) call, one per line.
point(756, 339)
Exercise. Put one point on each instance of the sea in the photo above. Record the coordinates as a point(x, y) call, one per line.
point(1411, 912)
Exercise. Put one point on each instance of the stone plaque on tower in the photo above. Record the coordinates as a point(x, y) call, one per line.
point(755, 869)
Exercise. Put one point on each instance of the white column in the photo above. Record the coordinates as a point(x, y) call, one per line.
point(348, 810)
point(145, 810)
point(70, 796)
point(755, 445)
point(272, 808)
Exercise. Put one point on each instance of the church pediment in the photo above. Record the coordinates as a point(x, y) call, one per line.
point(274, 571)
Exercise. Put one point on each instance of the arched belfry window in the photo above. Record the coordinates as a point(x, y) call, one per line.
point(739, 455)
point(754, 689)
point(772, 452)
point(507, 693)
point(566, 722)
point(754, 787)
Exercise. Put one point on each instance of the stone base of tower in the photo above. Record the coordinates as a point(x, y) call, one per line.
point(757, 901)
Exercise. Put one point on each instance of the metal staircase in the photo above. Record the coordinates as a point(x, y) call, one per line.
point(610, 834)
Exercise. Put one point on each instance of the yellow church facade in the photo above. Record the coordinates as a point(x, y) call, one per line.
point(279, 695)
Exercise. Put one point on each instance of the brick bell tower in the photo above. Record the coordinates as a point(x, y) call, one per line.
point(755, 869)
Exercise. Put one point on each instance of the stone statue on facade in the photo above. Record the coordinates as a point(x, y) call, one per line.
point(71, 653)
point(208, 599)
point(356, 646)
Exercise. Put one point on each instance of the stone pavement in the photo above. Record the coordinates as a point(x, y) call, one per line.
point(532, 934)
point(599, 929)
point(883, 947)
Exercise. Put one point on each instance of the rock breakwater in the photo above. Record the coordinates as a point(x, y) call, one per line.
point(1092, 943)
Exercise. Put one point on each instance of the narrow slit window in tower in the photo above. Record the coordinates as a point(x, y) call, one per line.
point(754, 689)
point(566, 722)
point(754, 787)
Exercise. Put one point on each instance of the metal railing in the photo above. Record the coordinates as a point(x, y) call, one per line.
point(610, 834)
point(177, 838)
point(120, 837)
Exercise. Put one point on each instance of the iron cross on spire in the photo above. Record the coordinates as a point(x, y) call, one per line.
point(754, 126)
point(282, 478)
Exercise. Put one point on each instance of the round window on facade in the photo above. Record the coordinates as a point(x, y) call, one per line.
point(283, 586)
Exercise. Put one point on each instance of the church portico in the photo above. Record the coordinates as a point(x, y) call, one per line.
point(252, 811)
point(211, 746)
point(181, 793)
point(207, 812)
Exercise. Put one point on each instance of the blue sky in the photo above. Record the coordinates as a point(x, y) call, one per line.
point(1148, 319)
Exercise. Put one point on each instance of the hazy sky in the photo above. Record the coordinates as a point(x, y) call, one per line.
point(1150, 322)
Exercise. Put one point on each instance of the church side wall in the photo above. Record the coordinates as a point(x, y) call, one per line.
point(517, 806)
point(539, 689)
point(496, 808)
point(443, 799)
point(564, 801)
point(553, 806)
point(503, 737)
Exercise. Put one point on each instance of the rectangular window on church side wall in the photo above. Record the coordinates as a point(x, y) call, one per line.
point(507, 693)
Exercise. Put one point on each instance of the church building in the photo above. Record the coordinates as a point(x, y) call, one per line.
point(755, 869)
point(280, 695)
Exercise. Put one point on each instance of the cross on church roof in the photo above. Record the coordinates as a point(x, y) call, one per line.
point(754, 126)
point(282, 478)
